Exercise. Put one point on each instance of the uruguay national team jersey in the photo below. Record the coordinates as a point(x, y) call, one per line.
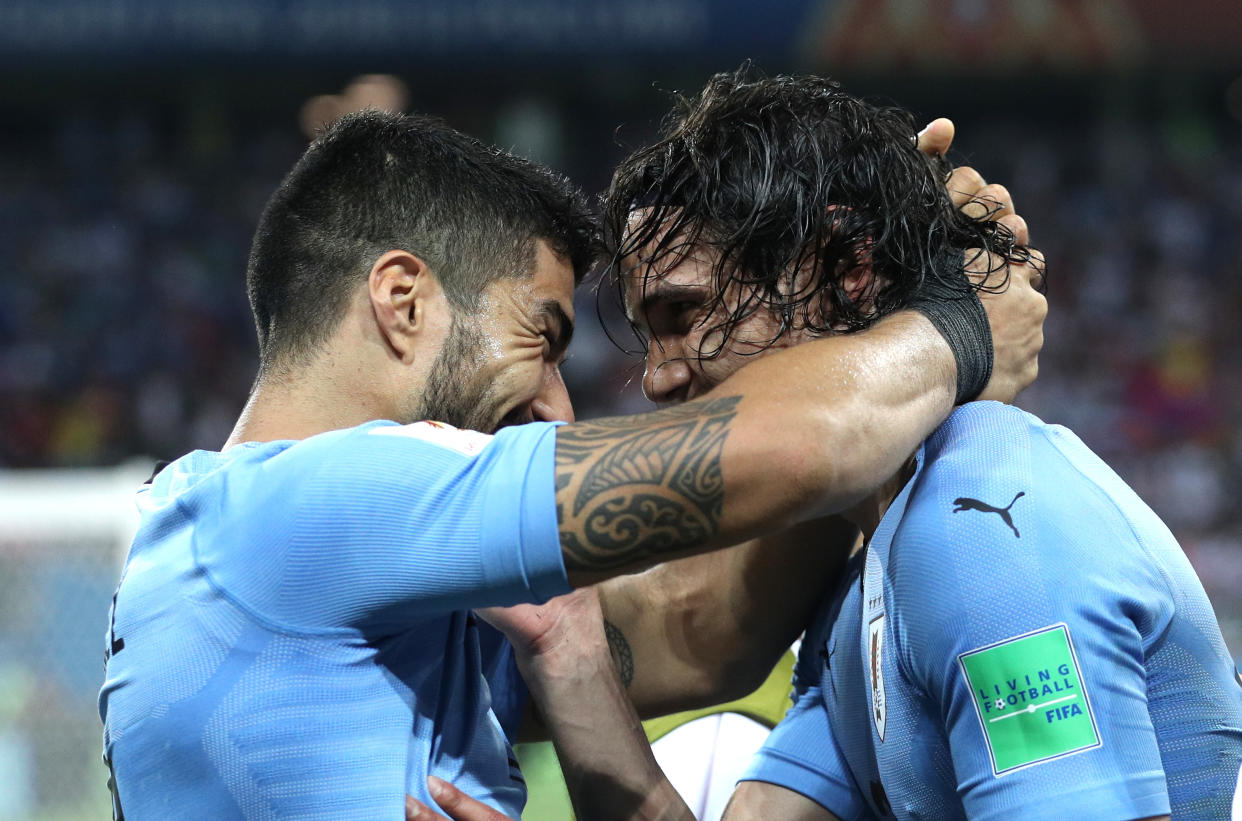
point(291, 637)
point(1022, 638)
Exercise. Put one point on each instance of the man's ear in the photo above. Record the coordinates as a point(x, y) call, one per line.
point(402, 289)
point(858, 280)
point(859, 285)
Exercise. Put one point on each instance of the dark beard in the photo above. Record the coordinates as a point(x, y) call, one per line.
point(455, 394)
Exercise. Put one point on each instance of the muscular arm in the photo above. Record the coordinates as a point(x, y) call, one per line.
point(563, 653)
point(799, 434)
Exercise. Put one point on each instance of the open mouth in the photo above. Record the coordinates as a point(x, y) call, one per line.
point(517, 416)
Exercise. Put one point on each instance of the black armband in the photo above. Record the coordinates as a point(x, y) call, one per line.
point(953, 306)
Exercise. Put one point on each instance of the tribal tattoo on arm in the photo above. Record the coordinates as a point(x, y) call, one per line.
point(633, 488)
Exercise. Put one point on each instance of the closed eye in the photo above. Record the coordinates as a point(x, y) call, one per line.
point(676, 305)
point(558, 330)
point(554, 351)
point(675, 316)
point(681, 308)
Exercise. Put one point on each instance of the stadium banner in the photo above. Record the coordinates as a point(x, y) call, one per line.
point(418, 29)
point(936, 34)
point(1046, 34)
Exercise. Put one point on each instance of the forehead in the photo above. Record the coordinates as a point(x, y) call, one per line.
point(661, 267)
point(552, 279)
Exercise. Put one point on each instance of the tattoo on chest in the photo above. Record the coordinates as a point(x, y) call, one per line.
point(633, 488)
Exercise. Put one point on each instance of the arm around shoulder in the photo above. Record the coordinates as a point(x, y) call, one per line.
point(799, 434)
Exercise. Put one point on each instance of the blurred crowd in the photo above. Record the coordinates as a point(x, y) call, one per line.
point(124, 328)
point(1143, 358)
point(123, 321)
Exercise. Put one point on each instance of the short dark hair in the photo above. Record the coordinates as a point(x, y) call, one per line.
point(373, 182)
point(791, 174)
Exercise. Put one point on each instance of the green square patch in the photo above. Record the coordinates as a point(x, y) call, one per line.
point(1031, 699)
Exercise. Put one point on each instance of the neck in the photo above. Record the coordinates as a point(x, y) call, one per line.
point(300, 404)
point(866, 515)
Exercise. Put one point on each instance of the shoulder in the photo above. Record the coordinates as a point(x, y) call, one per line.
point(994, 474)
point(976, 487)
point(338, 479)
point(432, 434)
point(983, 443)
point(376, 439)
point(384, 448)
point(1008, 508)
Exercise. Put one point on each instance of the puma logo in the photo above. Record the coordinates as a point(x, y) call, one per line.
point(965, 503)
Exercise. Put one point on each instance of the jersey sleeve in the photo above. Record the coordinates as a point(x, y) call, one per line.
point(380, 526)
point(1031, 651)
point(801, 754)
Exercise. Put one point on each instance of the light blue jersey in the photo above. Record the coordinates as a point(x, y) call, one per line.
point(1023, 638)
point(291, 637)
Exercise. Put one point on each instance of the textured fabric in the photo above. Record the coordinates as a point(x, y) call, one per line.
point(291, 636)
point(951, 303)
point(1024, 638)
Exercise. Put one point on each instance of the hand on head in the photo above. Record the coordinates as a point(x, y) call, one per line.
point(1016, 316)
point(936, 137)
point(1016, 313)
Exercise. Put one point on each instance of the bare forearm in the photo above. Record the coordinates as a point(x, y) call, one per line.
point(850, 419)
point(609, 768)
point(799, 434)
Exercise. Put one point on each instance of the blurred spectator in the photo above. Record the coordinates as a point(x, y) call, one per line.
point(379, 91)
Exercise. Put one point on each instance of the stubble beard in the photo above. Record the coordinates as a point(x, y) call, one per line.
point(455, 393)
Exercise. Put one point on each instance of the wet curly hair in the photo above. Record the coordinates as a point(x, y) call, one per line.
point(790, 174)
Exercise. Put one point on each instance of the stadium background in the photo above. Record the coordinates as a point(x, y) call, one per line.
point(140, 140)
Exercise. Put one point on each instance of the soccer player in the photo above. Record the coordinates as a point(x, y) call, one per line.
point(1020, 637)
point(292, 636)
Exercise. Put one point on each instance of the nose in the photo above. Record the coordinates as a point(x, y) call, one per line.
point(552, 403)
point(666, 379)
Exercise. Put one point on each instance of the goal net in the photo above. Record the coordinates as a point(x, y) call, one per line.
point(63, 535)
